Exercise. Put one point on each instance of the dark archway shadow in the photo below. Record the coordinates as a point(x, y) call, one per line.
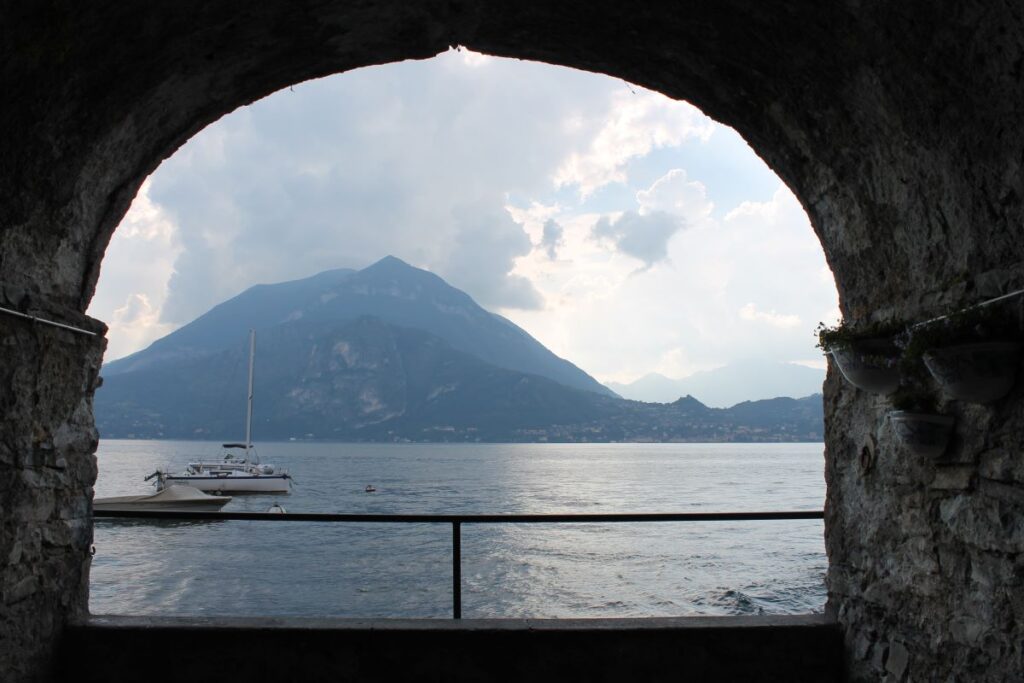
point(895, 124)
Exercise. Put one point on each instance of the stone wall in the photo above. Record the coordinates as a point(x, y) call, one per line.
point(925, 564)
point(47, 469)
point(897, 124)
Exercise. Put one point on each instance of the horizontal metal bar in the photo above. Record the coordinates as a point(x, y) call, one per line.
point(44, 321)
point(557, 518)
point(987, 302)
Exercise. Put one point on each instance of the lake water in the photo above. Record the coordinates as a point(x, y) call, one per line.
point(404, 570)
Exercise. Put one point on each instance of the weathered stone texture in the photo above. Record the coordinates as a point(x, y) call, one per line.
point(47, 469)
point(897, 124)
point(926, 568)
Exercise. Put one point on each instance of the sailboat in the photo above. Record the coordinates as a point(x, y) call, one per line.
point(233, 474)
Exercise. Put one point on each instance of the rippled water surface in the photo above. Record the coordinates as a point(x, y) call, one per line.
point(404, 570)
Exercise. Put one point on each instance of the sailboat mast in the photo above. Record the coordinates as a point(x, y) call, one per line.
point(248, 410)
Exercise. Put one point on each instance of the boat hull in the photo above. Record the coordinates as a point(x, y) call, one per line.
point(170, 499)
point(232, 483)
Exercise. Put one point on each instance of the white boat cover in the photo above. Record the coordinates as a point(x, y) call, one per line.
point(178, 496)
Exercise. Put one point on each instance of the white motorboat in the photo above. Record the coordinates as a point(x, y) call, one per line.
point(171, 498)
point(232, 474)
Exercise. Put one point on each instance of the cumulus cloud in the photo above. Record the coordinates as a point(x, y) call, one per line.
point(671, 203)
point(551, 238)
point(133, 280)
point(485, 171)
point(136, 322)
point(136, 308)
point(487, 243)
point(639, 121)
point(674, 193)
point(342, 171)
point(750, 312)
point(642, 236)
point(696, 315)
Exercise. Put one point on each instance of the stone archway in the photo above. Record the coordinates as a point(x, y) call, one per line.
point(897, 126)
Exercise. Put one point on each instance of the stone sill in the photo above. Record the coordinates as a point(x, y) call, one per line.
point(116, 622)
point(111, 649)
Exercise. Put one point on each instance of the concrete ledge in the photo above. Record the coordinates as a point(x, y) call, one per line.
point(775, 648)
point(339, 624)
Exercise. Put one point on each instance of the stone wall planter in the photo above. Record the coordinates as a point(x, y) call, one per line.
point(976, 373)
point(923, 433)
point(869, 365)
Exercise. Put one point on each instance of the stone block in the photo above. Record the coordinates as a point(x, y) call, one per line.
point(57, 534)
point(879, 653)
point(896, 663)
point(21, 590)
point(1012, 493)
point(861, 647)
point(952, 478)
point(967, 630)
point(1000, 464)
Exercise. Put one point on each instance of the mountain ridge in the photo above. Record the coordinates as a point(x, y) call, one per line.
point(389, 289)
point(330, 386)
point(327, 370)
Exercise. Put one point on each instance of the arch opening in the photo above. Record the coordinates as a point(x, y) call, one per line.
point(905, 158)
point(651, 201)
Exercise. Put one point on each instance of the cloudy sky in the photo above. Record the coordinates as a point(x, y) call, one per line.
point(626, 231)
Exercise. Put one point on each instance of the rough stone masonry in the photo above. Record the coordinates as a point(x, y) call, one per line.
point(896, 124)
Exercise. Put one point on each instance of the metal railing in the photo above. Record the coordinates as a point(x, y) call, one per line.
point(458, 520)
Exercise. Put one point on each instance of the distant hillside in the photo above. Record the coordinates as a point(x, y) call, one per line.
point(366, 380)
point(726, 386)
point(348, 380)
point(326, 371)
point(390, 290)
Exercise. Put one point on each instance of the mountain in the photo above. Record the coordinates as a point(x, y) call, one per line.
point(367, 380)
point(362, 379)
point(324, 370)
point(726, 386)
point(390, 290)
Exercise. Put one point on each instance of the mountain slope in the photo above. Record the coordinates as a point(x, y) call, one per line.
point(390, 290)
point(367, 380)
point(347, 380)
point(427, 365)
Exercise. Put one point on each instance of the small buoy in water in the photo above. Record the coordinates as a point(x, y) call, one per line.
point(276, 508)
point(370, 488)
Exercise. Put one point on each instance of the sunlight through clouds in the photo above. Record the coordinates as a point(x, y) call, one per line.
point(675, 193)
point(639, 121)
point(575, 205)
point(750, 312)
point(139, 263)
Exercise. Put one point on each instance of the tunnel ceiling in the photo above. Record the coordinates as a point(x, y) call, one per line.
point(897, 124)
point(864, 108)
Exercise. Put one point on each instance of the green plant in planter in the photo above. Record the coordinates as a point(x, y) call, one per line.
point(980, 324)
point(914, 399)
point(866, 355)
point(846, 335)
